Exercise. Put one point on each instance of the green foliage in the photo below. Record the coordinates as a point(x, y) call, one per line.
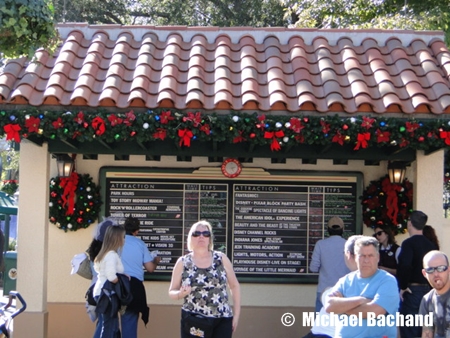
point(25, 26)
point(9, 187)
point(276, 132)
point(253, 13)
point(363, 14)
point(74, 202)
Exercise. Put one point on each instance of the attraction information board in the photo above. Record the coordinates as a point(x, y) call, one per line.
point(267, 227)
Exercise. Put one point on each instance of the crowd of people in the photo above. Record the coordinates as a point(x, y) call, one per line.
point(374, 276)
point(390, 280)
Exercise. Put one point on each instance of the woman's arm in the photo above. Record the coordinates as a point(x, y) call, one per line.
point(234, 288)
point(176, 290)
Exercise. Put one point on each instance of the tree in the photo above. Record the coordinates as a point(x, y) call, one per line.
point(254, 13)
point(25, 26)
point(361, 14)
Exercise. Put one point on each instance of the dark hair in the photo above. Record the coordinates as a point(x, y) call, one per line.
point(335, 232)
point(94, 249)
point(388, 230)
point(418, 219)
point(131, 225)
point(428, 232)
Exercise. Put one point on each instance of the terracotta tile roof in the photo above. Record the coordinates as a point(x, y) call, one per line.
point(236, 68)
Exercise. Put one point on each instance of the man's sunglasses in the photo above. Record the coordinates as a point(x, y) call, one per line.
point(379, 233)
point(440, 268)
point(199, 233)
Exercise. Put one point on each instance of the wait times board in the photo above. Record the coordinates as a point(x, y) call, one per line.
point(267, 225)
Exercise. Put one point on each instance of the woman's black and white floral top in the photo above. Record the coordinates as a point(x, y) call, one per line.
point(209, 288)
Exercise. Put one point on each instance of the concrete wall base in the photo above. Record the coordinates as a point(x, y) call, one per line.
point(71, 320)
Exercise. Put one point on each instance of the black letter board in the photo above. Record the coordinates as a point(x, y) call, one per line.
point(267, 222)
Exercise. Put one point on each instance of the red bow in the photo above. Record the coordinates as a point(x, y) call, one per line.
point(273, 135)
point(362, 140)
point(12, 132)
point(185, 137)
point(391, 199)
point(99, 125)
point(446, 136)
point(70, 187)
point(160, 133)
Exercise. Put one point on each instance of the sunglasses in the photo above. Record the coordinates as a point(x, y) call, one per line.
point(199, 233)
point(379, 233)
point(440, 268)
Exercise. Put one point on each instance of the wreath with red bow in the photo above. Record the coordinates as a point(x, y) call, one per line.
point(74, 201)
point(385, 203)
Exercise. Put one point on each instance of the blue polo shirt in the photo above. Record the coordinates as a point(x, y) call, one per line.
point(134, 254)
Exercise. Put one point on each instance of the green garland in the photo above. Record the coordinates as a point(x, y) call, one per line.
point(85, 198)
point(183, 127)
point(376, 207)
point(9, 187)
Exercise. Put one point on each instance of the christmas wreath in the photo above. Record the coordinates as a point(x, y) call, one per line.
point(385, 203)
point(74, 201)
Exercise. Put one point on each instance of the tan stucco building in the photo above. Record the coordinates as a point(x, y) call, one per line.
point(276, 72)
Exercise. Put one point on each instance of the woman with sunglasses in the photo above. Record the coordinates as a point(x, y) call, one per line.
point(388, 249)
point(200, 279)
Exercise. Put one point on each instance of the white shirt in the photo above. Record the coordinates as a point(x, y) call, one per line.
point(106, 270)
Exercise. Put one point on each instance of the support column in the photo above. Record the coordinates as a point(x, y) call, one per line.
point(428, 192)
point(32, 251)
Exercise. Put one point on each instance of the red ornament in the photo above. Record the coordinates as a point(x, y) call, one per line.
point(252, 135)
point(421, 139)
point(79, 219)
point(305, 119)
point(53, 194)
point(345, 127)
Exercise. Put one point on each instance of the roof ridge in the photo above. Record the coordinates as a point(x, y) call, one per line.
point(258, 34)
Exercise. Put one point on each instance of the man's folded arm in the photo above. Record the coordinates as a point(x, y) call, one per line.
point(340, 305)
point(364, 309)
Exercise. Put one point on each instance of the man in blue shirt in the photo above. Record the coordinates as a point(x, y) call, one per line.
point(365, 293)
point(328, 258)
point(135, 256)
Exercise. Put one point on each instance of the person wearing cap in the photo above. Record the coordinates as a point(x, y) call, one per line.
point(328, 258)
point(134, 256)
point(327, 331)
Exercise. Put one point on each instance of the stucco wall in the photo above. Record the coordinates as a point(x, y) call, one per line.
point(64, 288)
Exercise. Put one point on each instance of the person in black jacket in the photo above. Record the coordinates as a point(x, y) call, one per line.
point(413, 285)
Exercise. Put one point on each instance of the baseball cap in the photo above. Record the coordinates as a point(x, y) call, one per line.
point(336, 222)
point(100, 230)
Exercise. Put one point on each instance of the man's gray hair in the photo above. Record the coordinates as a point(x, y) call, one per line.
point(366, 241)
point(350, 244)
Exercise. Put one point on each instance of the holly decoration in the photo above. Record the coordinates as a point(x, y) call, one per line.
point(74, 202)
point(385, 203)
point(275, 132)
